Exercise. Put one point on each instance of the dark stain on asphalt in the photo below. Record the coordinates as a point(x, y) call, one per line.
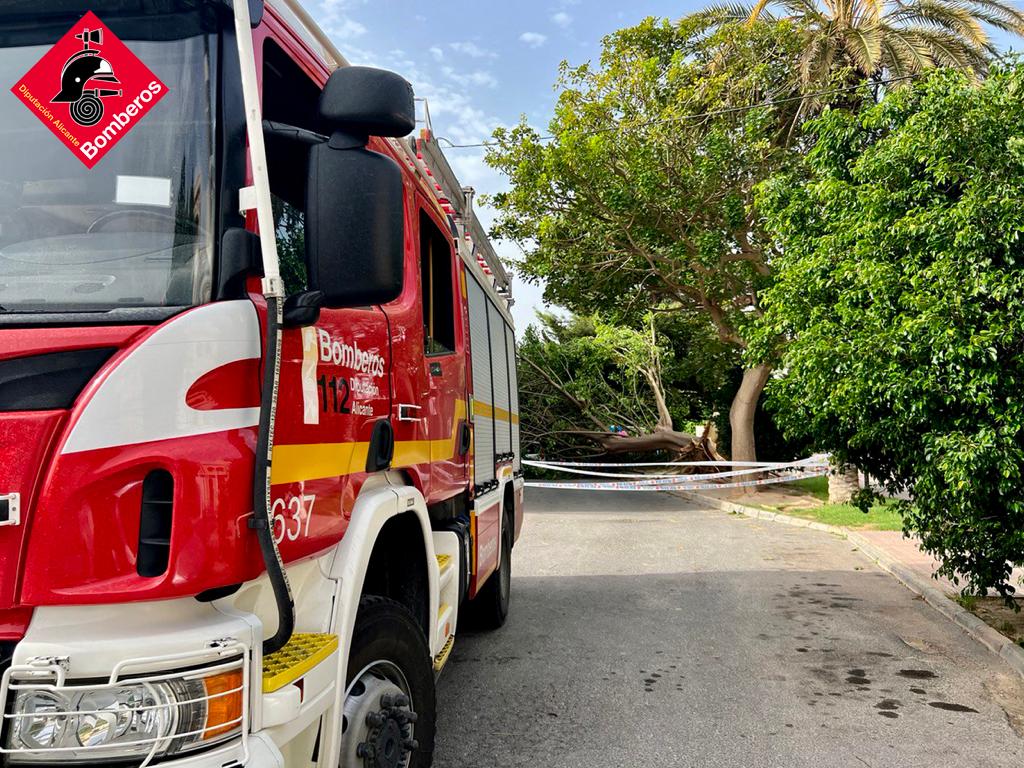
point(921, 691)
point(858, 677)
point(890, 715)
point(888, 705)
point(917, 674)
point(948, 707)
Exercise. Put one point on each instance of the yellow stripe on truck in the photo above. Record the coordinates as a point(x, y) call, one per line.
point(487, 411)
point(316, 461)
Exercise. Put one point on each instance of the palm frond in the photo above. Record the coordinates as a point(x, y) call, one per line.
point(1010, 17)
point(953, 16)
point(715, 16)
point(912, 54)
point(757, 10)
point(816, 67)
point(864, 46)
point(896, 60)
point(949, 50)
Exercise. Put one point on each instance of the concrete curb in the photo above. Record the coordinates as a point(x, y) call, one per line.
point(1003, 647)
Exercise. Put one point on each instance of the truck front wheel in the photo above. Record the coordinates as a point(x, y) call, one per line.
point(389, 713)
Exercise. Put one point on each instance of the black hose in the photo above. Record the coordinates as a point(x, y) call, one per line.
point(261, 521)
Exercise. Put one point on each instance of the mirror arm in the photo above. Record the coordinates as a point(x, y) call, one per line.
point(292, 133)
point(345, 140)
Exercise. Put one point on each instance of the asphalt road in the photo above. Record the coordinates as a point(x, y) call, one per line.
point(647, 631)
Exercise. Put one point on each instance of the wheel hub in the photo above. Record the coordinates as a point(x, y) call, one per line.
point(379, 724)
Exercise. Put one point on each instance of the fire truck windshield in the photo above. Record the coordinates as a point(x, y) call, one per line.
point(135, 231)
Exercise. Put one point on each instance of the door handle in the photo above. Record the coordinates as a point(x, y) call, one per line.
point(435, 369)
point(406, 412)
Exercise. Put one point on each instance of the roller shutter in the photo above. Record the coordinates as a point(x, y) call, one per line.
point(499, 366)
point(513, 385)
point(483, 397)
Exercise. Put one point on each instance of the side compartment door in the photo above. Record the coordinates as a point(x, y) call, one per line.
point(482, 413)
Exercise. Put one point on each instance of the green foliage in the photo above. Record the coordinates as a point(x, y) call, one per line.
point(644, 195)
point(583, 374)
point(901, 297)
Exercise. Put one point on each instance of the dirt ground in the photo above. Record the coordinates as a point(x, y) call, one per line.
point(998, 615)
point(778, 497)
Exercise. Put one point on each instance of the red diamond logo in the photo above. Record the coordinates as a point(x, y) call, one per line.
point(89, 90)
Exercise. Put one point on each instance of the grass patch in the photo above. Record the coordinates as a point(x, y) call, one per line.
point(970, 602)
point(816, 486)
point(881, 517)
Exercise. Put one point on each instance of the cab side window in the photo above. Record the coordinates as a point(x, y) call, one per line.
point(437, 262)
point(289, 96)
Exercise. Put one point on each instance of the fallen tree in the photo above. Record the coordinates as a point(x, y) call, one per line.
point(591, 388)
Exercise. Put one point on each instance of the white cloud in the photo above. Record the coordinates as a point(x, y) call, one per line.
point(472, 50)
point(337, 19)
point(436, 52)
point(346, 29)
point(562, 19)
point(533, 39)
point(478, 78)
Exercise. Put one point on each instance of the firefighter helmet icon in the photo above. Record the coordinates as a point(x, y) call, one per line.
point(80, 78)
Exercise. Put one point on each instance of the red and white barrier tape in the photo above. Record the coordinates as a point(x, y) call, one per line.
point(750, 468)
point(762, 464)
point(681, 486)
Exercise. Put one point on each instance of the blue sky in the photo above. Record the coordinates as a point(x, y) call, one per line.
point(482, 64)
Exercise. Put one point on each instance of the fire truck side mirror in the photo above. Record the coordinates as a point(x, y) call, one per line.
point(355, 218)
point(364, 101)
point(354, 226)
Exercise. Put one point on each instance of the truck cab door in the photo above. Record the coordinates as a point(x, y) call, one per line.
point(445, 340)
point(410, 387)
point(334, 380)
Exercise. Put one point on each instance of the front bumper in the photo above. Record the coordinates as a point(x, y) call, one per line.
point(259, 752)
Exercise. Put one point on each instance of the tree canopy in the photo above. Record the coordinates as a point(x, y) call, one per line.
point(581, 375)
point(643, 197)
point(900, 294)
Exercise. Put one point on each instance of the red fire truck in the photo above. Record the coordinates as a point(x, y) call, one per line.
point(259, 434)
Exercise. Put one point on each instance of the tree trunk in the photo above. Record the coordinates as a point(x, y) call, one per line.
point(843, 482)
point(685, 447)
point(741, 413)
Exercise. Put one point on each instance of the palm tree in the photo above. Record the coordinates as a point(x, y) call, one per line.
point(882, 39)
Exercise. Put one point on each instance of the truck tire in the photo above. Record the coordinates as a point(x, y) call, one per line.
point(389, 711)
point(489, 609)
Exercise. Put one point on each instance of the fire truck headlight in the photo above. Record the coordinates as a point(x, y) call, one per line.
point(97, 724)
point(42, 725)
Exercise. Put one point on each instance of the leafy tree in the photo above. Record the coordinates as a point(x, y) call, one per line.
point(644, 196)
point(857, 39)
point(581, 375)
point(901, 293)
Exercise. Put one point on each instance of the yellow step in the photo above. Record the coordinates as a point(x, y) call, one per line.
point(303, 652)
point(444, 562)
point(442, 658)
